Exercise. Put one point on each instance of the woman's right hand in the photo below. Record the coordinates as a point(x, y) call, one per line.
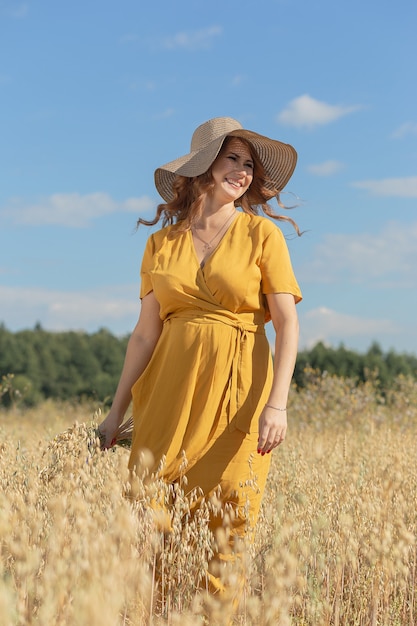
point(108, 430)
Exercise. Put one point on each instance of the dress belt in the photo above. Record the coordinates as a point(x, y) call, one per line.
point(241, 328)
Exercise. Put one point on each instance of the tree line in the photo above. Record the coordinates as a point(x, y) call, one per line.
point(36, 365)
point(382, 367)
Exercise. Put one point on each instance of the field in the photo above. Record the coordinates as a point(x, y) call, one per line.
point(335, 543)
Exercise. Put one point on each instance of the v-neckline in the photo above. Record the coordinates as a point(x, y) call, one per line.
point(204, 262)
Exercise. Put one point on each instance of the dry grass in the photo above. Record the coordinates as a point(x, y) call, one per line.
point(335, 544)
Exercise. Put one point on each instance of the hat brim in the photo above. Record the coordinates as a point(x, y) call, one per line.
point(278, 159)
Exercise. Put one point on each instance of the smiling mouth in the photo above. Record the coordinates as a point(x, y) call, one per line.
point(234, 183)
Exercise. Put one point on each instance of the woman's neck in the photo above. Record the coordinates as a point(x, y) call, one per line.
point(213, 212)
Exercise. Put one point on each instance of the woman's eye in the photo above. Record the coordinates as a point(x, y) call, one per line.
point(234, 158)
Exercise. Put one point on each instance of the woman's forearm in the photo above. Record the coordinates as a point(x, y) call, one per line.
point(286, 346)
point(273, 418)
point(139, 351)
point(138, 354)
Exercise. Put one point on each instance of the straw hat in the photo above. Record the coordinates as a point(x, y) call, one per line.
point(279, 159)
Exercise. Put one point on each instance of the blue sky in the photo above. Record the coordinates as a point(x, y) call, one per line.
point(95, 95)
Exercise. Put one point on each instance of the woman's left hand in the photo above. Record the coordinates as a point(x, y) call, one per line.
point(272, 429)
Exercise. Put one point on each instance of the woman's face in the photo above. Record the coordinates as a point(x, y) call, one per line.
point(232, 171)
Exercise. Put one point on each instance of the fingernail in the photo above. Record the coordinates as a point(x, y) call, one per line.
point(259, 450)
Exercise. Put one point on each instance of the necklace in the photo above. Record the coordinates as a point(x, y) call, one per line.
point(208, 245)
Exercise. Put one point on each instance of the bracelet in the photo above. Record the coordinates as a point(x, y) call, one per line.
point(277, 408)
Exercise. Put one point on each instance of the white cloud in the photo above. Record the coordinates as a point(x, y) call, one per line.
point(139, 85)
point(193, 40)
point(385, 260)
point(409, 128)
point(73, 209)
point(128, 38)
point(20, 11)
point(164, 114)
point(329, 326)
point(115, 307)
point(238, 80)
point(327, 168)
point(16, 10)
point(305, 111)
point(398, 187)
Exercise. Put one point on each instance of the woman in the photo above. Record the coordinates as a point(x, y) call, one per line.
point(198, 363)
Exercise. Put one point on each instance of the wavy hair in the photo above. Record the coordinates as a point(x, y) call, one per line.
point(186, 207)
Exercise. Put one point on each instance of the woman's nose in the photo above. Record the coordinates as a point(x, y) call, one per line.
point(240, 168)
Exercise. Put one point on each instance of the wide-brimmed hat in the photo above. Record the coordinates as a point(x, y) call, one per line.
point(278, 159)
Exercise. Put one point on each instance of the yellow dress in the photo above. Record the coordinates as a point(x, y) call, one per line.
point(210, 374)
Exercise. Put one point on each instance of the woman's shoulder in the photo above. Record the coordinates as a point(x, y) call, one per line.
point(161, 235)
point(258, 224)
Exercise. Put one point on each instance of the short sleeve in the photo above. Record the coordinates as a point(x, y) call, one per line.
point(145, 270)
point(276, 268)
